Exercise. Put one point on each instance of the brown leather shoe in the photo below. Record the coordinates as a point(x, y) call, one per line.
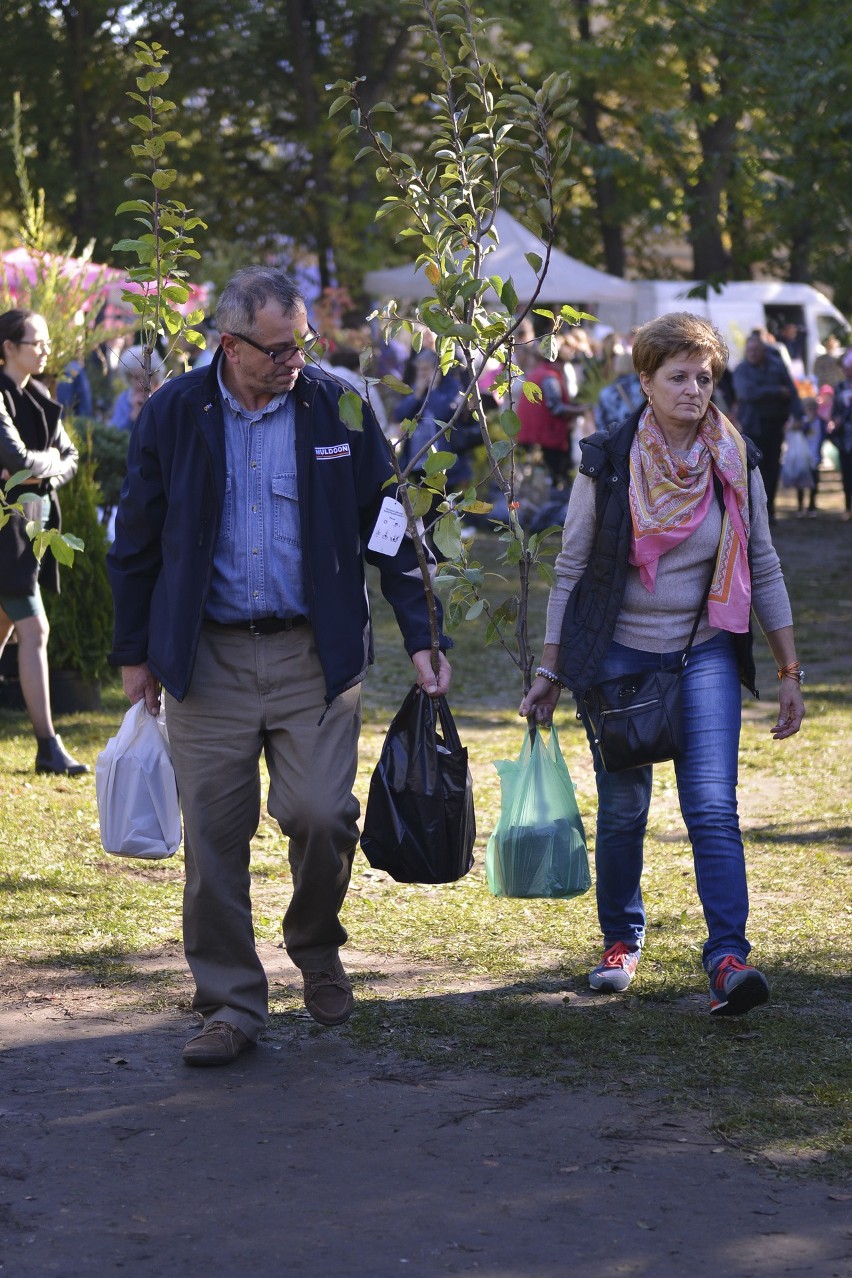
point(218, 1044)
point(328, 995)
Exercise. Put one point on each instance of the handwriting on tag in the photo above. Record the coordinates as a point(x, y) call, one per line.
point(390, 528)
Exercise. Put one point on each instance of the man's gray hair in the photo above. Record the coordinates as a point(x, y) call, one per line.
point(248, 291)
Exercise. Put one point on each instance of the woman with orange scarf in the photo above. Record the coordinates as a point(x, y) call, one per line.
point(670, 500)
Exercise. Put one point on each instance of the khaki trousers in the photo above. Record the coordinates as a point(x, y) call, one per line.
point(253, 694)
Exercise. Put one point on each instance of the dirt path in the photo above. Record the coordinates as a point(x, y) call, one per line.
point(314, 1156)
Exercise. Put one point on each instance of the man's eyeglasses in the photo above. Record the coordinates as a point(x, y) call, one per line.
point(42, 343)
point(283, 353)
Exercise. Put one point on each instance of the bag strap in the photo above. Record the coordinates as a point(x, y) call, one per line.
point(449, 730)
point(421, 716)
point(720, 498)
point(688, 649)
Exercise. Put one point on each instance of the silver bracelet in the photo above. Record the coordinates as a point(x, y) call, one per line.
point(550, 676)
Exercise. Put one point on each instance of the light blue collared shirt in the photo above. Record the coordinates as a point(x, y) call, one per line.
point(257, 563)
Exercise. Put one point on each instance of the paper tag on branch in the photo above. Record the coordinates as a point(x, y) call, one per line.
point(390, 528)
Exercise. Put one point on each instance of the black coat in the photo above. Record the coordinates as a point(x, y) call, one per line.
point(31, 438)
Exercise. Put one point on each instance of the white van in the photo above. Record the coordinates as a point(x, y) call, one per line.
point(736, 310)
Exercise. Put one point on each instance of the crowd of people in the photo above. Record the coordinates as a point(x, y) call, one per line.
point(587, 381)
point(237, 568)
point(590, 383)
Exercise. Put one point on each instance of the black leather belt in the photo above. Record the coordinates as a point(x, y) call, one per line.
point(261, 625)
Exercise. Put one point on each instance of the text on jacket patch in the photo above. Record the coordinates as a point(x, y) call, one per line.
point(328, 452)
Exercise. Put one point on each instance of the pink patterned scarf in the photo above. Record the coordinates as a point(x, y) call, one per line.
point(671, 494)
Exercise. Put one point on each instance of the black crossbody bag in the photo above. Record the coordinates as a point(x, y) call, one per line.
point(637, 718)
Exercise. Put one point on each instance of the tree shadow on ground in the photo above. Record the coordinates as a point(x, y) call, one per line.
point(819, 836)
point(312, 1156)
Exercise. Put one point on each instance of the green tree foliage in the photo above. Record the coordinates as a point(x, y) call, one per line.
point(165, 245)
point(803, 138)
point(68, 59)
point(257, 156)
point(483, 133)
point(716, 126)
point(274, 182)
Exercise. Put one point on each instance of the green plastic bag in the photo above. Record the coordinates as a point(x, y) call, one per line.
point(538, 847)
point(830, 455)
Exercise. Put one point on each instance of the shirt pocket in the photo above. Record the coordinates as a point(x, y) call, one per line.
point(285, 503)
point(226, 524)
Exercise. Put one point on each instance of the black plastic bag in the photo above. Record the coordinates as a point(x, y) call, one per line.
point(419, 825)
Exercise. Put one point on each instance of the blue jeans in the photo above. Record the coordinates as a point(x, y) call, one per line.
point(706, 776)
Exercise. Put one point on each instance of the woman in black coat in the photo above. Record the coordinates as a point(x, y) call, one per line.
point(31, 439)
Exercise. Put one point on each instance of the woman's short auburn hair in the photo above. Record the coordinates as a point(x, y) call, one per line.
point(680, 333)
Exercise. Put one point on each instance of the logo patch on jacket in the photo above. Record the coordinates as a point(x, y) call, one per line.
point(329, 452)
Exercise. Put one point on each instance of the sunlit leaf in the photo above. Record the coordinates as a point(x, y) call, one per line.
point(510, 421)
point(421, 501)
point(447, 536)
point(351, 409)
point(395, 384)
point(438, 462)
point(134, 206)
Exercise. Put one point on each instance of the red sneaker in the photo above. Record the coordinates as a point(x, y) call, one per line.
point(615, 971)
point(735, 987)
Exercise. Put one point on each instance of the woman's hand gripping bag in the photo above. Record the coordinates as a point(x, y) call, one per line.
point(538, 847)
point(419, 824)
point(137, 791)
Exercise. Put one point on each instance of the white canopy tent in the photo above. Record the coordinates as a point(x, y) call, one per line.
point(567, 280)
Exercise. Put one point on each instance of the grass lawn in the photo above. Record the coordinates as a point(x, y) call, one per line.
point(503, 982)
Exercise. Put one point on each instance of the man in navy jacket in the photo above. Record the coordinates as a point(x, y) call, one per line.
point(238, 580)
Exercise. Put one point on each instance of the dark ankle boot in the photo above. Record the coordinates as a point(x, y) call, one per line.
point(53, 757)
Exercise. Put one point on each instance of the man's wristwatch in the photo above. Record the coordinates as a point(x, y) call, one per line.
point(792, 671)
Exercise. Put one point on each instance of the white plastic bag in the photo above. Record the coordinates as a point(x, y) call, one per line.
point(796, 468)
point(136, 788)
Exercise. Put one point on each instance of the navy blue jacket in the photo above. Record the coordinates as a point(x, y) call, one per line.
point(593, 607)
point(171, 503)
point(766, 395)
